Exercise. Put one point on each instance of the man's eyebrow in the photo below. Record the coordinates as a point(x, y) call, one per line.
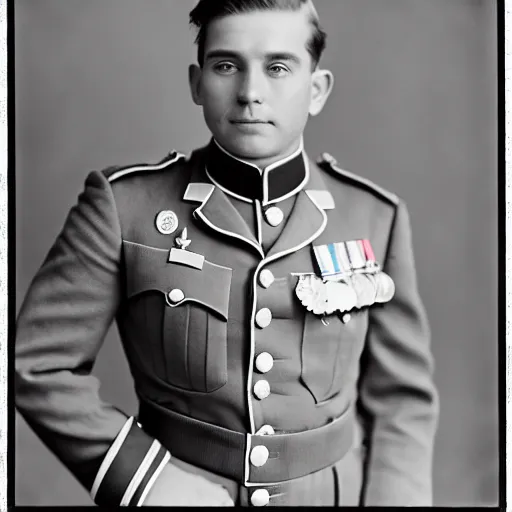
point(286, 56)
point(214, 54)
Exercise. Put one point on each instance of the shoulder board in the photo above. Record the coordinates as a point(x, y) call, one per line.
point(115, 173)
point(330, 162)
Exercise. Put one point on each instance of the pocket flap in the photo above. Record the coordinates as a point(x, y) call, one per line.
point(148, 268)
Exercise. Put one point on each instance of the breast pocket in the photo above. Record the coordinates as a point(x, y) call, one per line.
point(330, 352)
point(194, 315)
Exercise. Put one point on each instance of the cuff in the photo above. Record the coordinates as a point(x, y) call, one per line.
point(130, 468)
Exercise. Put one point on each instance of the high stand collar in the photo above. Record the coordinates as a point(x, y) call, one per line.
point(249, 183)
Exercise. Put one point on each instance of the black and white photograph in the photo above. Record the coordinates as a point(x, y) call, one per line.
point(256, 253)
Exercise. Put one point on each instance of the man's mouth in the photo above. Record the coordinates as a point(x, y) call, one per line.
point(250, 121)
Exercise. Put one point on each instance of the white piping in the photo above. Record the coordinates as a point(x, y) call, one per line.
point(140, 473)
point(129, 170)
point(261, 264)
point(229, 233)
point(109, 458)
point(152, 480)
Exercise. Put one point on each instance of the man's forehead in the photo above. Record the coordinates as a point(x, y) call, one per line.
point(270, 30)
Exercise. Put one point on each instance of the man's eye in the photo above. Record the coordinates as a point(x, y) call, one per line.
point(225, 67)
point(278, 70)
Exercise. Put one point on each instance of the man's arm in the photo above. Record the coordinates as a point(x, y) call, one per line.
point(397, 393)
point(60, 328)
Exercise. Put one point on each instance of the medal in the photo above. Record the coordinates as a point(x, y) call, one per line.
point(325, 298)
point(385, 287)
point(346, 297)
point(312, 293)
point(364, 289)
point(350, 277)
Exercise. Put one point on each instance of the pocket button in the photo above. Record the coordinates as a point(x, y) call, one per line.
point(176, 296)
point(266, 430)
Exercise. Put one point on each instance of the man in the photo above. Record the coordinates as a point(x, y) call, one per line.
point(267, 304)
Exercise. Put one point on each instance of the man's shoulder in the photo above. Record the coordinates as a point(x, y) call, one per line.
point(329, 164)
point(119, 173)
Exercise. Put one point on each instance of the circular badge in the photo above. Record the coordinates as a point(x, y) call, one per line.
point(166, 222)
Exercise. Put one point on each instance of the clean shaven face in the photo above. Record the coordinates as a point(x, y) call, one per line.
point(257, 87)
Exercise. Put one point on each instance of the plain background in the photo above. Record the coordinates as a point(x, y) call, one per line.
point(104, 82)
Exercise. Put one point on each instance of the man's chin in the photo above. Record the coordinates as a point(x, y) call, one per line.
point(250, 148)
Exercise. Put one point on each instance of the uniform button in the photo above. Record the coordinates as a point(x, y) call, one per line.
point(262, 389)
point(263, 318)
point(266, 430)
point(266, 278)
point(346, 318)
point(176, 295)
point(264, 362)
point(274, 216)
point(259, 456)
point(260, 498)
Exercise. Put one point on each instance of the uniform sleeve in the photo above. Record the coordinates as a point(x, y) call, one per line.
point(60, 328)
point(397, 394)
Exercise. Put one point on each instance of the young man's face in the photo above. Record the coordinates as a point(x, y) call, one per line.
point(257, 86)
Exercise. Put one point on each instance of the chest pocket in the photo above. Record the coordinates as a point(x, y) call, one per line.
point(330, 353)
point(194, 315)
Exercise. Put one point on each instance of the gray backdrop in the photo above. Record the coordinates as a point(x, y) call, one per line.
point(103, 82)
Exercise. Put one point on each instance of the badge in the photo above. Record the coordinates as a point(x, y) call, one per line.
point(180, 254)
point(166, 222)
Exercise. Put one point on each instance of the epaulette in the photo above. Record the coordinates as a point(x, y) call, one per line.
point(330, 162)
point(114, 173)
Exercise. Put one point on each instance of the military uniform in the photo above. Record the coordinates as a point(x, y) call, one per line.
point(237, 380)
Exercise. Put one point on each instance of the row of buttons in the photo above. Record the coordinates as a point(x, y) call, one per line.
point(264, 362)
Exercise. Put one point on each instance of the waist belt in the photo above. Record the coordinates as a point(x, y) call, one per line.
point(230, 453)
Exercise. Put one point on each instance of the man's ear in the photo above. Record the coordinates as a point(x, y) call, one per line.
point(194, 81)
point(322, 84)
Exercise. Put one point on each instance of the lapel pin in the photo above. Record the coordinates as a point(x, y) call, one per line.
point(182, 241)
point(166, 222)
point(179, 254)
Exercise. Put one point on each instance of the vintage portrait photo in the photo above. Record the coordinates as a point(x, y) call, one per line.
point(256, 253)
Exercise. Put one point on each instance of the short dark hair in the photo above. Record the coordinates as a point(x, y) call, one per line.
point(208, 10)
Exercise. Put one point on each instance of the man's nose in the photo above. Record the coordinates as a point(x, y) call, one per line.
point(252, 87)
